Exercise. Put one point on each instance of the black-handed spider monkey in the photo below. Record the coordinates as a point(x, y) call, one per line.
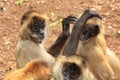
point(92, 47)
point(68, 65)
point(31, 35)
point(103, 63)
point(71, 68)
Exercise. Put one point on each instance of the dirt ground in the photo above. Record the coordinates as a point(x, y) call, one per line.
point(10, 16)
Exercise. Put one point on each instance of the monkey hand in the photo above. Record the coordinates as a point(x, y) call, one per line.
point(71, 19)
point(89, 13)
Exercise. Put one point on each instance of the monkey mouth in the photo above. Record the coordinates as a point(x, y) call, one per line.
point(41, 37)
point(40, 41)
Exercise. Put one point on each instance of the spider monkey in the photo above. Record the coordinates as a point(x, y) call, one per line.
point(69, 65)
point(91, 45)
point(103, 63)
point(31, 35)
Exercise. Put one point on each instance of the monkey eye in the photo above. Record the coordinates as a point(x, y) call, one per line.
point(85, 31)
point(65, 71)
point(35, 28)
point(95, 30)
point(42, 26)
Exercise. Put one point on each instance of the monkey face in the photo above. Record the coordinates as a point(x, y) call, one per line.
point(69, 68)
point(32, 26)
point(37, 29)
point(71, 71)
point(89, 31)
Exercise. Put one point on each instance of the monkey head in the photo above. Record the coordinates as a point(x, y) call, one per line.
point(39, 70)
point(33, 26)
point(71, 71)
point(37, 28)
point(69, 68)
point(91, 29)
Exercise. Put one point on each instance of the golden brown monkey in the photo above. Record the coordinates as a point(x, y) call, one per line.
point(33, 70)
point(95, 53)
point(31, 34)
point(71, 68)
point(103, 63)
point(68, 65)
point(92, 46)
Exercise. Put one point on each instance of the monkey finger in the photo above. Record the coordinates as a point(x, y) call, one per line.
point(92, 13)
point(71, 19)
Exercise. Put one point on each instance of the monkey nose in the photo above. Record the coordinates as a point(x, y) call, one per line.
point(41, 32)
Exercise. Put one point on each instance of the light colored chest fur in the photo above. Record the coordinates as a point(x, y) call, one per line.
point(29, 50)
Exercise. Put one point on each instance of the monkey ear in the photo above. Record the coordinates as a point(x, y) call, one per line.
point(23, 19)
point(27, 15)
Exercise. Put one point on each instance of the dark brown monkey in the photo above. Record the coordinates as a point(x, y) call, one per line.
point(33, 70)
point(56, 48)
point(68, 65)
point(31, 34)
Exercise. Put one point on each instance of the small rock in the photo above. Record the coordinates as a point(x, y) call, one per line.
point(7, 42)
point(109, 27)
point(3, 8)
point(118, 32)
point(5, 0)
point(8, 68)
point(38, 2)
point(42, 1)
point(98, 7)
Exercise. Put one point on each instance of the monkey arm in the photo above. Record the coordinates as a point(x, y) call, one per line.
point(71, 46)
point(61, 70)
point(56, 48)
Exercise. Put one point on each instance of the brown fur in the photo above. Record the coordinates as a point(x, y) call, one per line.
point(95, 52)
point(61, 60)
point(27, 49)
point(114, 62)
point(68, 55)
point(102, 62)
point(23, 33)
point(34, 70)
